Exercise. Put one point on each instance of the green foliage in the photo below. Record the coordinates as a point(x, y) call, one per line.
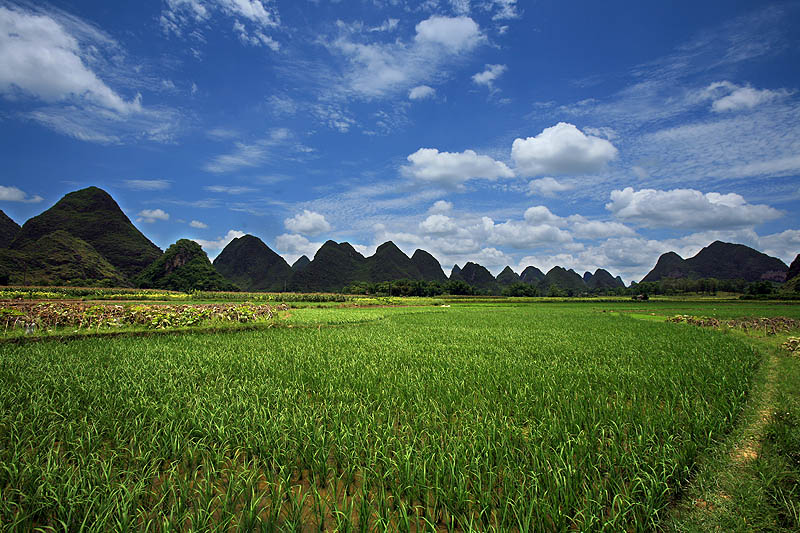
point(59, 258)
point(521, 289)
point(183, 267)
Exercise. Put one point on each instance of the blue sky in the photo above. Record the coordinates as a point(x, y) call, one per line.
point(580, 134)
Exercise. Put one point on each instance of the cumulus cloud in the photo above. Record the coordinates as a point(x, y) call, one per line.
point(547, 187)
point(15, 194)
point(307, 223)
point(582, 228)
point(440, 207)
point(728, 96)
point(376, 70)
point(292, 247)
point(450, 169)
point(437, 224)
point(149, 216)
point(147, 185)
point(561, 149)
point(687, 208)
point(197, 224)
point(220, 243)
point(467, 233)
point(540, 214)
point(421, 92)
point(489, 75)
point(525, 234)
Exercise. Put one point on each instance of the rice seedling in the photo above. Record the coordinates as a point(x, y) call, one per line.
point(515, 418)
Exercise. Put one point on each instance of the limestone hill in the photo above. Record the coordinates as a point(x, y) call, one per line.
point(720, 260)
point(183, 267)
point(252, 265)
point(94, 217)
point(8, 230)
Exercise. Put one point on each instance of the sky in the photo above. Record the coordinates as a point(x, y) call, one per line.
point(583, 134)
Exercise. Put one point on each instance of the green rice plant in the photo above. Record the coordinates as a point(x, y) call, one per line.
point(493, 418)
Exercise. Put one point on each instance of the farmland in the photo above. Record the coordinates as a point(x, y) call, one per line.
point(509, 415)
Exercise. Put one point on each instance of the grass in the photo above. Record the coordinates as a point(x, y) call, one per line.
point(516, 417)
point(752, 481)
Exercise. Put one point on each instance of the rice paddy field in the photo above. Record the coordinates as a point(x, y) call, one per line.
point(471, 417)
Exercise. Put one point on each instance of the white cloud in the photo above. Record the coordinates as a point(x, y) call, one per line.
point(376, 70)
point(562, 149)
point(229, 189)
point(728, 96)
point(282, 105)
point(255, 38)
point(14, 194)
point(147, 185)
point(220, 134)
point(505, 9)
point(197, 224)
point(258, 16)
point(292, 247)
point(220, 243)
point(149, 216)
point(64, 66)
point(785, 244)
point(437, 224)
point(687, 208)
point(39, 57)
point(603, 131)
point(540, 214)
point(489, 75)
point(245, 155)
point(252, 154)
point(547, 187)
point(461, 7)
point(421, 92)
point(449, 169)
point(525, 234)
point(388, 25)
point(440, 207)
point(582, 228)
point(334, 116)
point(307, 223)
point(455, 34)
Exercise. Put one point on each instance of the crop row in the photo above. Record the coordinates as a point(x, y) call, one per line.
point(769, 326)
point(48, 316)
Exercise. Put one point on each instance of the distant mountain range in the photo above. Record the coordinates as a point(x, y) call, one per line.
point(720, 260)
point(85, 238)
